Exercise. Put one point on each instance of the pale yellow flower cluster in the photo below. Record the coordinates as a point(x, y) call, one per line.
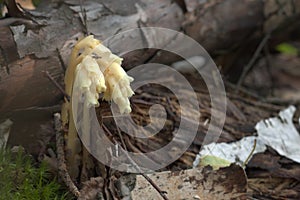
point(101, 71)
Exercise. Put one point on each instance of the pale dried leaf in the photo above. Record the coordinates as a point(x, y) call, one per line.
point(4, 132)
point(203, 183)
point(280, 134)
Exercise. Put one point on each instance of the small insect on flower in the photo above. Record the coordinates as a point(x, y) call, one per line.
point(99, 70)
point(93, 69)
point(90, 80)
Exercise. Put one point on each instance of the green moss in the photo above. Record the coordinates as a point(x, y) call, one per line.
point(21, 179)
point(286, 48)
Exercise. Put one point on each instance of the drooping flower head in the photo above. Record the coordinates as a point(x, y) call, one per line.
point(100, 71)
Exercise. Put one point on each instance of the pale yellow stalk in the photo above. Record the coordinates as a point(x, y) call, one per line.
point(97, 71)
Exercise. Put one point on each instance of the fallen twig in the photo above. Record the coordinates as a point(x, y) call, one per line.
point(56, 84)
point(62, 168)
point(252, 61)
point(123, 145)
point(62, 63)
point(162, 194)
point(84, 18)
point(250, 155)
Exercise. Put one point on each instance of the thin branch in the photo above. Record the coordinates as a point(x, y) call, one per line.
point(162, 193)
point(269, 67)
point(62, 63)
point(121, 137)
point(252, 61)
point(62, 167)
point(56, 84)
point(242, 89)
point(250, 155)
point(84, 17)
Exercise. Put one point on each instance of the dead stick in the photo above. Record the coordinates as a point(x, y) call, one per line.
point(62, 168)
point(162, 194)
point(250, 155)
point(62, 63)
point(252, 61)
point(56, 84)
point(84, 18)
